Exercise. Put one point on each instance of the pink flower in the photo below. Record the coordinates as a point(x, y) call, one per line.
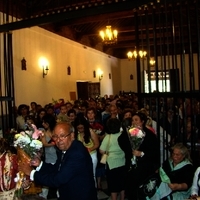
point(134, 131)
point(136, 136)
point(37, 133)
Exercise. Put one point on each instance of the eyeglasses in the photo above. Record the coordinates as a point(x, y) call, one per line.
point(61, 137)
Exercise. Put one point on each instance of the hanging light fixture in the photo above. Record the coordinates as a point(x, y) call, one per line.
point(152, 61)
point(134, 54)
point(108, 35)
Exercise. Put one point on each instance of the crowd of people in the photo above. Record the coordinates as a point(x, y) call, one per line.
point(75, 135)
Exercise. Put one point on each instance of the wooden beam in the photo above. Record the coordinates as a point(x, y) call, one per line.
point(74, 14)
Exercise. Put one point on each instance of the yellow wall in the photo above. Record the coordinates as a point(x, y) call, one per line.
point(32, 43)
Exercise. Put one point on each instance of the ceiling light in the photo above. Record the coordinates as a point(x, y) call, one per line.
point(152, 61)
point(134, 54)
point(108, 35)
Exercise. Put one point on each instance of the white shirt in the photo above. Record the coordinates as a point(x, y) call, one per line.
point(34, 170)
point(196, 182)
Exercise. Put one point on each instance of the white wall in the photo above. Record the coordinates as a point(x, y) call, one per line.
point(32, 43)
point(128, 67)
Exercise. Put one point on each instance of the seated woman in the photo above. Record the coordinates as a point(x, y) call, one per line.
point(195, 191)
point(176, 175)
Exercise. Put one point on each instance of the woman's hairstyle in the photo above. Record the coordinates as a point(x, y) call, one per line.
point(127, 110)
point(22, 106)
point(30, 117)
point(149, 119)
point(142, 117)
point(126, 123)
point(91, 109)
point(51, 120)
point(143, 110)
point(82, 121)
point(4, 145)
point(39, 111)
point(183, 149)
point(71, 111)
point(113, 125)
point(49, 107)
point(34, 103)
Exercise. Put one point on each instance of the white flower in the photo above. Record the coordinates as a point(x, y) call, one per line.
point(140, 134)
point(17, 136)
point(27, 140)
point(151, 185)
point(21, 140)
point(29, 133)
point(36, 144)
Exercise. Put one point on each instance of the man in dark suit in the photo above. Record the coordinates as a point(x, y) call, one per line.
point(72, 174)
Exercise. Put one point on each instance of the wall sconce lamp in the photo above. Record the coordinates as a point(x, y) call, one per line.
point(100, 76)
point(23, 64)
point(44, 64)
point(94, 74)
point(45, 70)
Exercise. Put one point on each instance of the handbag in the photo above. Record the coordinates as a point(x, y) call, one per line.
point(105, 155)
point(149, 186)
point(104, 158)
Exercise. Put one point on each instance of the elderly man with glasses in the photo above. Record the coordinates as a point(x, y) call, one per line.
point(72, 173)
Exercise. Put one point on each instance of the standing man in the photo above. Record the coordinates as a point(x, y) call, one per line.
point(72, 173)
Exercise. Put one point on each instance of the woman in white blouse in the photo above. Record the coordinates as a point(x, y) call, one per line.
point(195, 192)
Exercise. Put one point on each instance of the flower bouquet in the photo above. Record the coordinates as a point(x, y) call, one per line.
point(136, 137)
point(96, 127)
point(28, 146)
point(56, 104)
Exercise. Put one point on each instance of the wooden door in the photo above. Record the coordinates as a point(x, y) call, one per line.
point(82, 90)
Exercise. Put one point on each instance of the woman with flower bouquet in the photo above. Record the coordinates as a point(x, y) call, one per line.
point(145, 159)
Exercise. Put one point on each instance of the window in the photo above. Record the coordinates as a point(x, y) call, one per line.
point(150, 83)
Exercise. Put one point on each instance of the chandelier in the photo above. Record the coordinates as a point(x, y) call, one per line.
point(152, 61)
point(108, 35)
point(134, 54)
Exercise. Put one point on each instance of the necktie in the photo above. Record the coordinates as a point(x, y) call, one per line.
point(61, 160)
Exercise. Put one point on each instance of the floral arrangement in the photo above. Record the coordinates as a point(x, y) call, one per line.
point(96, 127)
point(28, 146)
point(57, 103)
point(28, 141)
point(136, 137)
